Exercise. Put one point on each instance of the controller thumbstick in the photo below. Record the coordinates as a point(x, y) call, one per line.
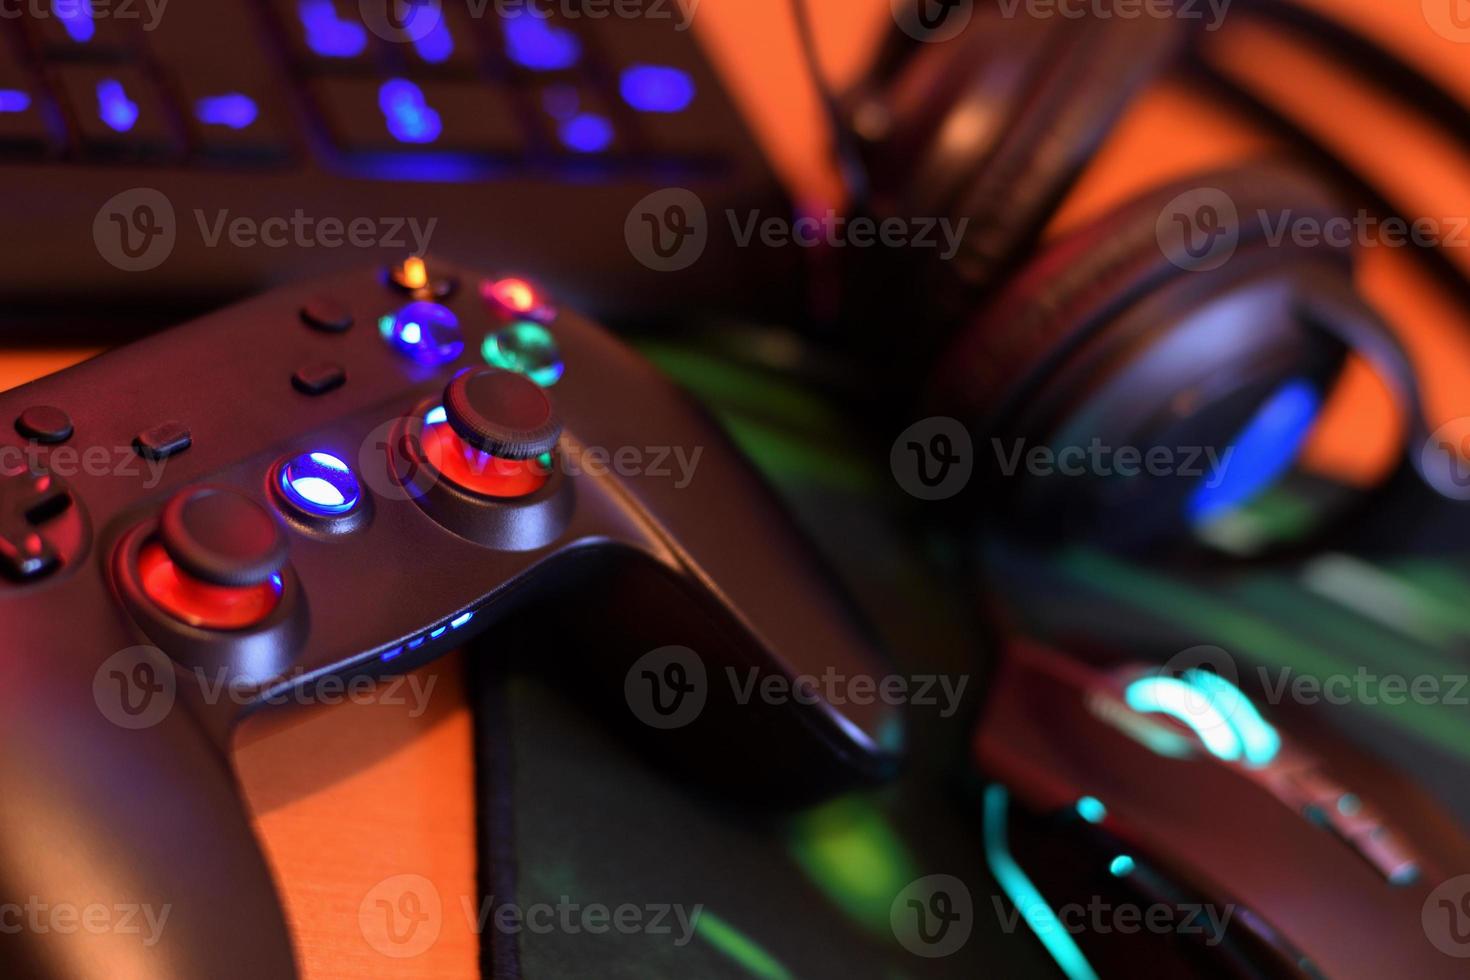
point(501, 413)
point(222, 537)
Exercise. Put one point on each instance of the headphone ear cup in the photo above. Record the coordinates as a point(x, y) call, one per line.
point(1146, 333)
point(981, 137)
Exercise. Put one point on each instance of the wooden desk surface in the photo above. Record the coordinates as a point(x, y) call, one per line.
point(348, 799)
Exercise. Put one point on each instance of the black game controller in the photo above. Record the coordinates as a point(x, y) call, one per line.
point(350, 479)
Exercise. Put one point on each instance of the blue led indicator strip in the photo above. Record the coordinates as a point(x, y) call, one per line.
point(456, 623)
point(1034, 910)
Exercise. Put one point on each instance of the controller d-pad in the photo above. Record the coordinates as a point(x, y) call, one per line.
point(28, 503)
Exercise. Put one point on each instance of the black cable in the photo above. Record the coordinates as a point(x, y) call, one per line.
point(849, 160)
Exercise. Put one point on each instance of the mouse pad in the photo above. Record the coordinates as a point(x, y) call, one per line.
point(615, 870)
point(621, 870)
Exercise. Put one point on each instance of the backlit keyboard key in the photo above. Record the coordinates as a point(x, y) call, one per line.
point(23, 124)
point(90, 28)
point(398, 114)
point(327, 32)
point(580, 120)
point(116, 111)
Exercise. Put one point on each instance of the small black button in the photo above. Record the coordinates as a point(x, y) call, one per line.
point(162, 441)
point(320, 378)
point(326, 314)
point(44, 424)
point(220, 536)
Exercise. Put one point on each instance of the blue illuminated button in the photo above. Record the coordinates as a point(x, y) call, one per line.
point(14, 100)
point(657, 88)
point(407, 112)
point(526, 348)
point(319, 485)
point(426, 332)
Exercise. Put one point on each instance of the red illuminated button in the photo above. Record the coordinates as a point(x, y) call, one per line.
point(197, 603)
point(480, 473)
point(516, 298)
point(217, 561)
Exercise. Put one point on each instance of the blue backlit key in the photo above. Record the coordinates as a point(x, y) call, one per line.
point(401, 115)
point(579, 120)
point(23, 125)
point(327, 32)
point(539, 43)
point(117, 112)
point(89, 28)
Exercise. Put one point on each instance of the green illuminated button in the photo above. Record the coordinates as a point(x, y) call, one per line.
point(526, 348)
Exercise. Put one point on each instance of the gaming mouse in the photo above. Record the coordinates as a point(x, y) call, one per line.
point(1138, 816)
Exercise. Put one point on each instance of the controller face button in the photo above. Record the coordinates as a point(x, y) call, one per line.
point(162, 441)
point(44, 424)
point(412, 276)
point(221, 537)
point(319, 378)
point(526, 348)
point(28, 502)
point(326, 314)
point(478, 472)
point(501, 413)
point(516, 298)
point(319, 485)
point(201, 604)
point(424, 332)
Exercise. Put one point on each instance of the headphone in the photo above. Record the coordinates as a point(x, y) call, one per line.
point(1171, 356)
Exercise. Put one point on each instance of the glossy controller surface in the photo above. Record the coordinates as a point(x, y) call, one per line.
point(115, 784)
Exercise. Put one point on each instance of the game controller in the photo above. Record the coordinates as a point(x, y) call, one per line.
point(348, 479)
point(1170, 793)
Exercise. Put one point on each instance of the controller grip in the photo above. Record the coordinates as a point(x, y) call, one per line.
point(125, 850)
